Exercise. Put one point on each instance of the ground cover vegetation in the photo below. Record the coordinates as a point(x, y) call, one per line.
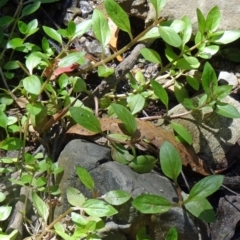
point(49, 91)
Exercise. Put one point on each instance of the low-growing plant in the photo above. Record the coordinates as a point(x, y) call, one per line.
point(30, 71)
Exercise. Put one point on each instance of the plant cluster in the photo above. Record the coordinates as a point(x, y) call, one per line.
point(43, 71)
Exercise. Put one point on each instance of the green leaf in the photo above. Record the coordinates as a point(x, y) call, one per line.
point(170, 161)
point(104, 71)
point(120, 154)
point(188, 104)
point(116, 197)
point(182, 132)
point(135, 103)
point(52, 33)
point(187, 31)
point(11, 65)
point(35, 108)
point(180, 91)
point(226, 37)
point(32, 27)
point(86, 119)
point(208, 51)
point(82, 28)
point(85, 177)
point(15, 43)
point(126, 117)
point(100, 27)
point(2, 197)
point(213, 19)
point(3, 120)
point(201, 21)
point(142, 234)
point(160, 92)
point(158, 5)
point(193, 82)
point(151, 204)
point(63, 81)
point(98, 208)
point(221, 92)
point(170, 36)
point(71, 28)
point(5, 212)
point(30, 8)
point(32, 84)
point(227, 110)
point(205, 187)
point(152, 33)
point(209, 78)
point(150, 55)
point(11, 144)
point(201, 209)
point(76, 57)
point(75, 197)
point(143, 163)
point(172, 234)
point(118, 16)
point(3, 2)
point(31, 62)
point(79, 85)
point(41, 206)
point(5, 20)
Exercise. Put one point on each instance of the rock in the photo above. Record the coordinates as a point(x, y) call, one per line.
point(225, 78)
point(112, 176)
point(213, 135)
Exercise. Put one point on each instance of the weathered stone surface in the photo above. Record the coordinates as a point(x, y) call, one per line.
point(213, 135)
point(112, 176)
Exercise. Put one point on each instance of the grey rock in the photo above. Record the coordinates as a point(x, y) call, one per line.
point(213, 135)
point(113, 176)
point(225, 78)
point(86, 8)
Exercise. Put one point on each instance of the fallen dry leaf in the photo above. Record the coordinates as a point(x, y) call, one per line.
point(155, 135)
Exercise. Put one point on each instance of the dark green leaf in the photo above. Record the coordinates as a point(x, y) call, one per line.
point(86, 119)
point(32, 84)
point(11, 144)
point(188, 104)
point(75, 197)
point(136, 103)
point(104, 71)
point(221, 92)
point(30, 8)
point(3, 2)
point(126, 117)
point(180, 91)
point(205, 187)
point(79, 85)
point(187, 31)
point(151, 204)
point(76, 57)
point(158, 5)
point(3, 120)
point(201, 21)
point(150, 55)
point(172, 234)
point(170, 161)
point(201, 209)
point(52, 33)
point(227, 110)
point(193, 82)
point(118, 16)
point(98, 208)
point(160, 92)
point(143, 163)
point(5, 20)
point(182, 132)
point(100, 27)
point(116, 197)
point(213, 19)
point(41, 206)
point(141, 234)
point(85, 178)
point(170, 36)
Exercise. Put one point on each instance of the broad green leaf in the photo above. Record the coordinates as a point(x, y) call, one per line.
point(170, 54)
point(120, 154)
point(82, 28)
point(32, 84)
point(5, 20)
point(35, 108)
point(118, 16)
point(41, 206)
point(193, 82)
point(75, 197)
point(139, 77)
point(60, 230)
point(85, 177)
point(11, 144)
point(158, 5)
point(180, 91)
point(205, 187)
point(104, 71)
point(116, 197)
point(5, 212)
point(143, 163)
point(187, 31)
point(151, 204)
point(52, 33)
point(213, 19)
point(201, 21)
point(226, 37)
point(172, 234)
point(201, 209)
point(2, 197)
point(100, 27)
point(160, 92)
point(32, 27)
point(71, 28)
point(152, 33)
point(135, 103)
point(209, 78)
point(126, 117)
point(192, 61)
point(182, 132)
point(176, 25)
point(3, 120)
point(30, 8)
point(170, 161)
point(31, 62)
point(98, 208)
point(170, 36)
point(188, 104)
point(79, 85)
point(15, 43)
point(208, 51)
point(227, 110)
point(75, 57)
point(86, 119)
point(151, 55)
point(63, 81)
point(221, 92)
point(11, 65)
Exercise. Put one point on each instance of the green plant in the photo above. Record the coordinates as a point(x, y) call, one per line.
point(40, 70)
